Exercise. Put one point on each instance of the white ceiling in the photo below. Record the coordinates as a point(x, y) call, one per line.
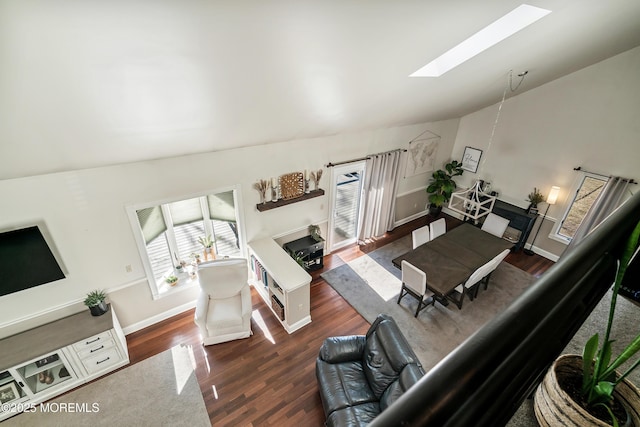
point(92, 83)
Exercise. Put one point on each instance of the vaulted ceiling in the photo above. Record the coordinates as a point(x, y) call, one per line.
point(92, 83)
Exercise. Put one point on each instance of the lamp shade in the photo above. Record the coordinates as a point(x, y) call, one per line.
point(553, 195)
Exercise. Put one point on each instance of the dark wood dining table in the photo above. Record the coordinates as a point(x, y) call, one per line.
point(451, 258)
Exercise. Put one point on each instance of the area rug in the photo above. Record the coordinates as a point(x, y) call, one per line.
point(371, 285)
point(159, 391)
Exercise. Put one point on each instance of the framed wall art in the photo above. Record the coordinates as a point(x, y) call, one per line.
point(471, 159)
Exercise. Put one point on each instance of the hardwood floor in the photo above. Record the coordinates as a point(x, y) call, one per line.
point(269, 379)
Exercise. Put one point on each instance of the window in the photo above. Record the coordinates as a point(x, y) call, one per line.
point(168, 234)
point(587, 192)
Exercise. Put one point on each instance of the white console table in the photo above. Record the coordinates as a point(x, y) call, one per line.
point(43, 362)
point(282, 283)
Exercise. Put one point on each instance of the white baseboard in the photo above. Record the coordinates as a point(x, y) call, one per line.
point(546, 254)
point(158, 318)
point(410, 218)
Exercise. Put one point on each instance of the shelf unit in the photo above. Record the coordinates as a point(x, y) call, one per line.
point(281, 282)
point(283, 202)
point(44, 362)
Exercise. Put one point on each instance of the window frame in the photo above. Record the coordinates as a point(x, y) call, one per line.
point(142, 246)
point(575, 189)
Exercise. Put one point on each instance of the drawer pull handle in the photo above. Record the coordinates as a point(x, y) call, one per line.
point(92, 341)
point(102, 361)
point(96, 349)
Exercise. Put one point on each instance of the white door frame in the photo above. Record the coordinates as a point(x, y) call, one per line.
point(337, 171)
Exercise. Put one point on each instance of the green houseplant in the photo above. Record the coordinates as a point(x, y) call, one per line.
point(534, 198)
point(207, 243)
point(600, 381)
point(95, 300)
point(171, 280)
point(442, 185)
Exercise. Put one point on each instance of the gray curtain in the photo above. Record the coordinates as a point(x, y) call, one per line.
point(379, 195)
point(612, 196)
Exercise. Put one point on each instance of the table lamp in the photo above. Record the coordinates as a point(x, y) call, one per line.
point(552, 198)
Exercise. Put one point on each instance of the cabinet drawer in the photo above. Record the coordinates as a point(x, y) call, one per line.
point(102, 360)
point(96, 348)
point(92, 341)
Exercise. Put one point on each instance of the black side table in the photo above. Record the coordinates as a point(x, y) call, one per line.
point(308, 250)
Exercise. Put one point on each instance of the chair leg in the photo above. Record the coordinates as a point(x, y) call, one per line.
point(402, 294)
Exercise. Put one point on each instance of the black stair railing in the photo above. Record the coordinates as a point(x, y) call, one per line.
point(486, 378)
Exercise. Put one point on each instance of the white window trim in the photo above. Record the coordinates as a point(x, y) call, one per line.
point(142, 248)
point(555, 235)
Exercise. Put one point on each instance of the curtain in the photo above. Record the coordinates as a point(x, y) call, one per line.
point(379, 195)
point(612, 195)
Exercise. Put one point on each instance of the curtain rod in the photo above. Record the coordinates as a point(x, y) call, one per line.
point(579, 168)
point(330, 165)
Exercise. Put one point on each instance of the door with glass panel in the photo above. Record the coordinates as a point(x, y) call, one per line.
point(346, 182)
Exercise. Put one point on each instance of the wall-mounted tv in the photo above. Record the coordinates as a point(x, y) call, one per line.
point(26, 260)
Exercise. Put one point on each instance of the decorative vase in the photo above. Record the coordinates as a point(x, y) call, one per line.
point(99, 309)
point(553, 406)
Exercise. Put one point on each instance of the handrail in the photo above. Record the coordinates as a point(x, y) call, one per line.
point(487, 377)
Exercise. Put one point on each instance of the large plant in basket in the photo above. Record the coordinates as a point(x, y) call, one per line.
point(589, 390)
point(599, 377)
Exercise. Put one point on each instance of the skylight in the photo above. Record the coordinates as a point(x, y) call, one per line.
point(514, 21)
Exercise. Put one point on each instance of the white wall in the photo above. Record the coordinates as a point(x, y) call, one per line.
point(588, 118)
point(85, 214)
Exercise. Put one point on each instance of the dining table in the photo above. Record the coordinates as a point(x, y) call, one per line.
point(451, 258)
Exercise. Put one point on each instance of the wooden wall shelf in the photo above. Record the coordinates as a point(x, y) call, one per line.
point(272, 205)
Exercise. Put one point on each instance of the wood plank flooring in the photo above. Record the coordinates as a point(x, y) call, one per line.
point(269, 379)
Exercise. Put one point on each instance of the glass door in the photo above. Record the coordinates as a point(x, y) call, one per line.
point(346, 181)
point(44, 373)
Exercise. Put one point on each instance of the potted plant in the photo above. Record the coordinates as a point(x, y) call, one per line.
point(442, 186)
point(95, 302)
point(314, 231)
point(207, 244)
point(171, 280)
point(601, 393)
point(534, 198)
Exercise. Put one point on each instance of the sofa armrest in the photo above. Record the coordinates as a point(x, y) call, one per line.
point(245, 297)
point(202, 306)
point(342, 349)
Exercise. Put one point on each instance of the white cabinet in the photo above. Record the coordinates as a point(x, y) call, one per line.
point(281, 282)
point(46, 361)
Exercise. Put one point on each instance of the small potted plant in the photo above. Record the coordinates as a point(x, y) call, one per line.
point(95, 302)
point(171, 280)
point(534, 198)
point(207, 243)
point(314, 231)
point(442, 186)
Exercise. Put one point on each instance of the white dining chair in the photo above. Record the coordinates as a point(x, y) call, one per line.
point(495, 262)
point(495, 224)
point(437, 228)
point(414, 283)
point(420, 236)
point(470, 287)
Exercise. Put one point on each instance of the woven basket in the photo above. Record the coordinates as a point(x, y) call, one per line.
point(554, 407)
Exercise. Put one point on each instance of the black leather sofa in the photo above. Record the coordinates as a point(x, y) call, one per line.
point(359, 376)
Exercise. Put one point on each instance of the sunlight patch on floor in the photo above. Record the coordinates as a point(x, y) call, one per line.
point(257, 318)
point(215, 392)
point(377, 277)
point(183, 365)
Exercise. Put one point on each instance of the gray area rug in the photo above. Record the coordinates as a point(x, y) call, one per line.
point(159, 391)
point(437, 330)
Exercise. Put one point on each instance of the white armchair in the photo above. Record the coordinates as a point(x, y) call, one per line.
point(223, 309)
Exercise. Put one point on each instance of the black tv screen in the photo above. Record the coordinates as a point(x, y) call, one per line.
point(26, 260)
